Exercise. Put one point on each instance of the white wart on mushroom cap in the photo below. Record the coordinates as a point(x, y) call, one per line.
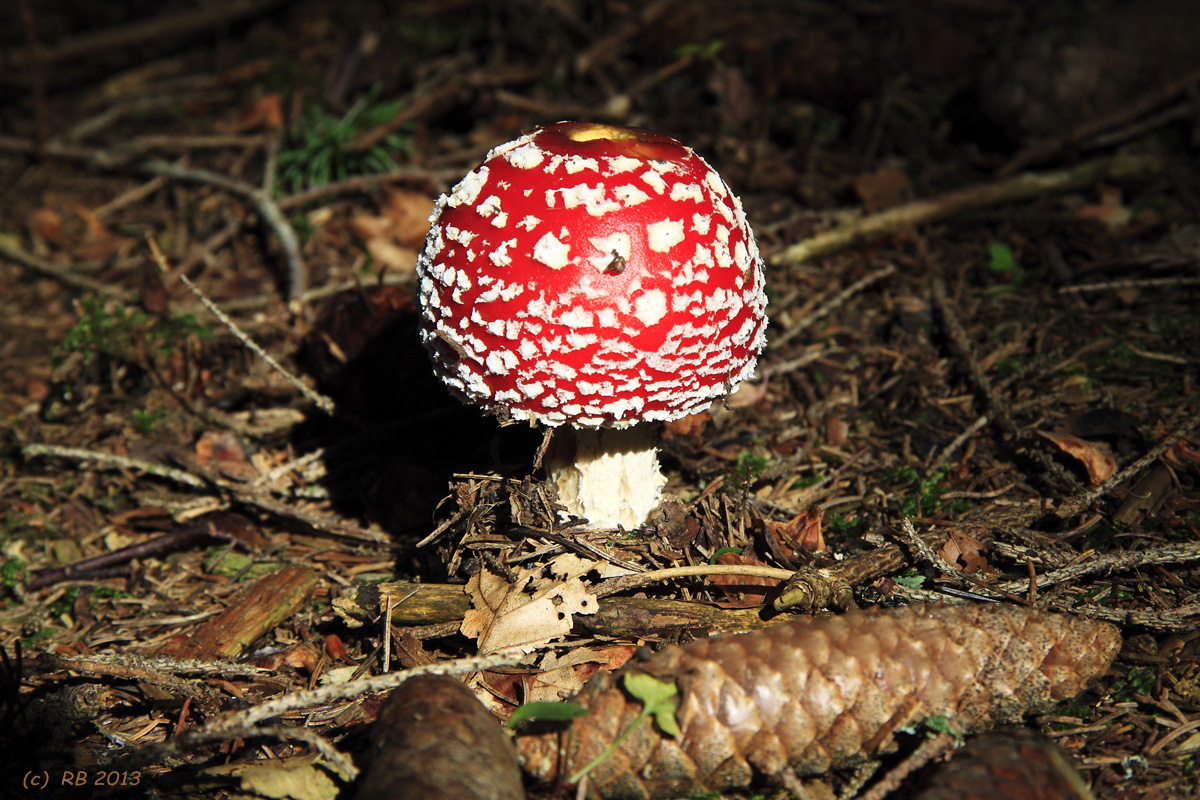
point(592, 275)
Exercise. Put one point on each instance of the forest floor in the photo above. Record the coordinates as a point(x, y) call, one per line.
point(981, 228)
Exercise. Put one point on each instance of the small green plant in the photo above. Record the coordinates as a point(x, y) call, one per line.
point(324, 147)
point(935, 725)
point(1077, 710)
point(544, 712)
point(13, 571)
point(31, 641)
point(838, 524)
point(115, 331)
point(65, 603)
point(737, 551)
point(1003, 262)
point(749, 464)
point(928, 494)
point(910, 579)
point(1007, 367)
point(702, 52)
point(807, 481)
point(660, 699)
point(143, 421)
point(1137, 680)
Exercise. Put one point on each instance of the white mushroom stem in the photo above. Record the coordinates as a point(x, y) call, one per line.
point(608, 476)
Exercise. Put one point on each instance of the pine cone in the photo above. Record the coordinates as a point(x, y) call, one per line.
point(433, 740)
point(823, 692)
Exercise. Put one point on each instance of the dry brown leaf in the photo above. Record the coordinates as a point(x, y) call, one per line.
point(264, 112)
point(690, 425)
point(554, 684)
point(394, 236)
point(300, 656)
point(296, 778)
point(48, 224)
point(73, 227)
point(568, 565)
point(884, 188)
point(801, 532)
point(965, 552)
point(508, 615)
point(408, 212)
point(1111, 211)
point(224, 450)
point(397, 260)
point(561, 675)
point(1183, 455)
point(1094, 456)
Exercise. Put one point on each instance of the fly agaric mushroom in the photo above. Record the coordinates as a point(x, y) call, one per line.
point(596, 277)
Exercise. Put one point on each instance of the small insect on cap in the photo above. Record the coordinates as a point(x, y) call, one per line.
point(594, 275)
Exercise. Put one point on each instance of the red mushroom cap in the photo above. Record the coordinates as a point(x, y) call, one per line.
point(594, 275)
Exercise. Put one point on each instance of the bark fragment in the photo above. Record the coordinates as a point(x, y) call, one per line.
point(823, 692)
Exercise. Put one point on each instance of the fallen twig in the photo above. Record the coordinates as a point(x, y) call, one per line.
point(114, 461)
point(137, 33)
point(1146, 102)
point(1020, 187)
point(242, 493)
point(58, 273)
point(998, 411)
point(1136, 283)
point(123, 159)
point(1109, 562)
point(297, 273)
point(1083, 501)
point(835, 302)
point(321, 401)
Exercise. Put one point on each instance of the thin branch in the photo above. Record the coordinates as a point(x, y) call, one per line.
point(834, 303)
point(61, 274)
point(1145, 103)
point(925, 551)
point(242, 493)
point(1083, 501)
point(997, 409)
point(958, 442)
point(625, 582)
point(352, 690)
point(1141, 283)
point(297, 273)
point(113, 461)
point(135, 34)
point(1118, 561)
point(123, 159)
point(971, 198)
point(321, 401)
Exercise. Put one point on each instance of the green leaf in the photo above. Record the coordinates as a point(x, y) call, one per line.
point(545, 712)
point(660, 698)
point(737, 551)
point(1003, 260)
point(911, 581)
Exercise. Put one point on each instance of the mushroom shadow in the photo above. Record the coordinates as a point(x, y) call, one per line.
point(397, 436)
